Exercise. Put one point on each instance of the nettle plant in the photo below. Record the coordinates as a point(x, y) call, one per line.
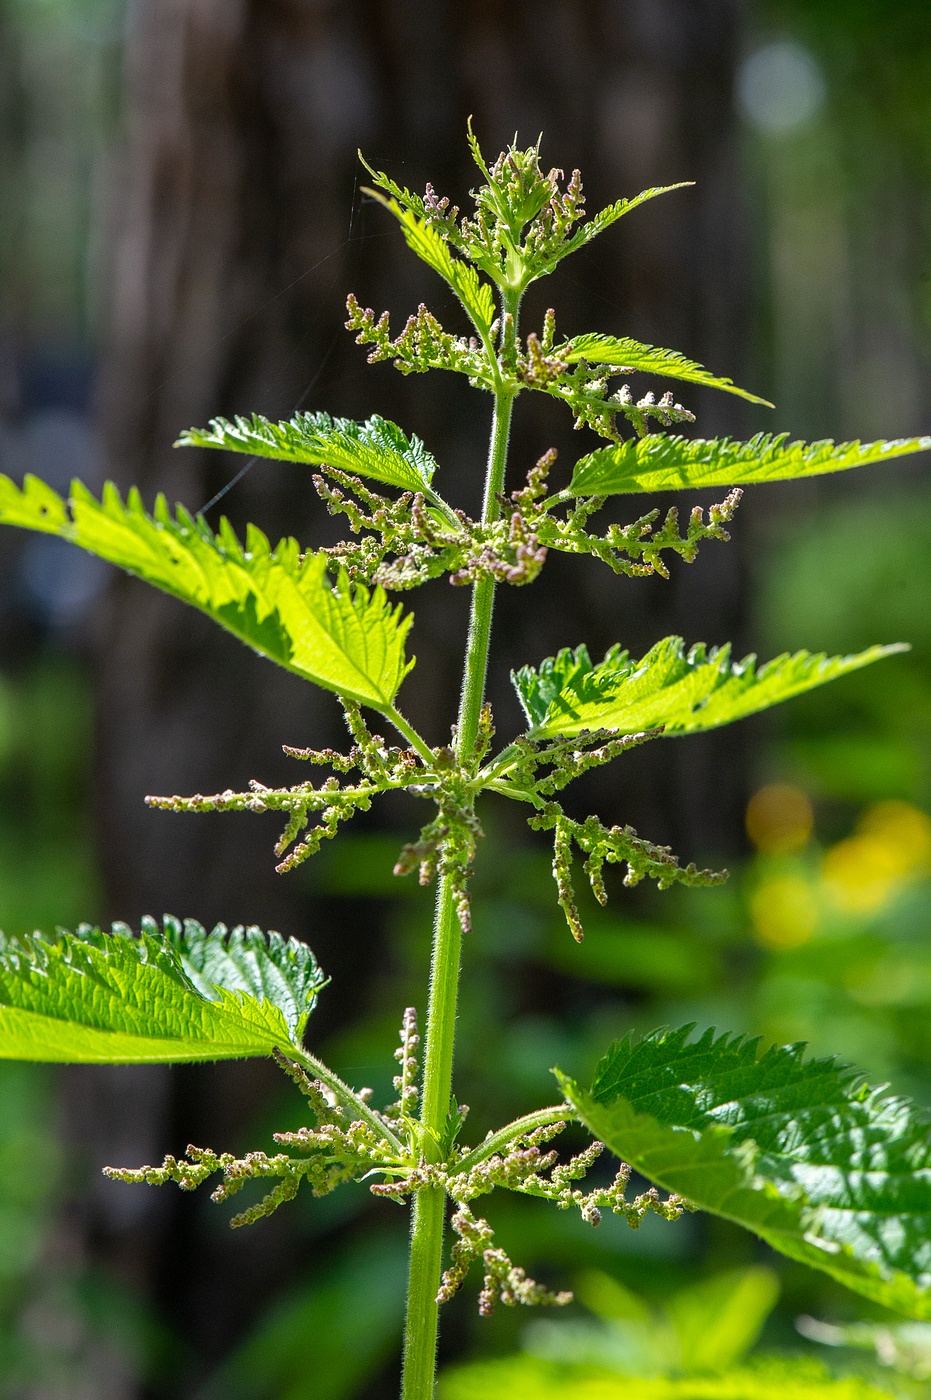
point(801, 1152)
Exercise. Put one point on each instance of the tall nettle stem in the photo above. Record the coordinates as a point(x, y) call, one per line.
point(428, 1223)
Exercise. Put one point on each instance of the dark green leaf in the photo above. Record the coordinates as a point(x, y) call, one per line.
point(802, 1152)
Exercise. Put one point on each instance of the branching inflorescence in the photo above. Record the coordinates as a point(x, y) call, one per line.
point(682, 1114)
point(338, 1147)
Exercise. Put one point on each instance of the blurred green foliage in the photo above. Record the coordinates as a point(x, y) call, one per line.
point(691, 1347)
point(57, 1316)
point(59, 110)
point(47, 861)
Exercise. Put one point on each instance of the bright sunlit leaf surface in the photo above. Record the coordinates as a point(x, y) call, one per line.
point(825, 1169)
point(376, 448)
point(667, 462)
point(684, 691)
point(167, 995)
point(630, 355)
point(532, 1378)
point(277, 601)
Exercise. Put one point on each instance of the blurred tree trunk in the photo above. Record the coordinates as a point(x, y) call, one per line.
point(238, 228)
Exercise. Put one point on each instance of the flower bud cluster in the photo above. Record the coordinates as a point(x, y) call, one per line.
point(613, 845)
point(503, 1282)
point(405, 542)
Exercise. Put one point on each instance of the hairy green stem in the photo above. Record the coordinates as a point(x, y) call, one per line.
point(428, 1223)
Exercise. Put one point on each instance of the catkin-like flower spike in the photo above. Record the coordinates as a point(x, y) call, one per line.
point(332, 758)
point(286, 1190)
point(473, 1235)
point(549, 329)
point(484, 735)
point(562, 873)
point(610, 845)
point(509, 1284)
point(321, 1099)
point(406, 1055)
point(527, 496)
point(422, 345)
point(503, 1282)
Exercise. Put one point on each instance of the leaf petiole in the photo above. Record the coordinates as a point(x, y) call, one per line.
point(493, 1143)
point(415, 740)
point(348, 1097)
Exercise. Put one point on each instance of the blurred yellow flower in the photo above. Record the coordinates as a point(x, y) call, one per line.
point(779, 818)
point(891, 845)
point(784, 909)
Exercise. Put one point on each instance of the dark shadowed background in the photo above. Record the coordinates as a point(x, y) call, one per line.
point(181, 221)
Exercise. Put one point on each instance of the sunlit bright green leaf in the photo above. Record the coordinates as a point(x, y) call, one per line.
point(630, 355)
point(277, 601)
point(825, 1169)
point(667, 462)
point(683, 691)
point(169, 995)
point(375, 448)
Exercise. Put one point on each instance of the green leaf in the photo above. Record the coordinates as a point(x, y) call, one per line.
point(164, 996)
point(802, 1152)
point(708, 1326)
point(476, 296)
point(375, 448)
point(630, 355)
point(718, 1320)
point(277, 601)
point(663, 462)
point(534, 1378)
point(684, 692)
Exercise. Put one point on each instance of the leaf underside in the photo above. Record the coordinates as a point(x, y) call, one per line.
point(631, 355)
point(827, 1170)
point(686, 692)
point(376, 448)
point(668, 462)
point(276, 601)
point(169, 995)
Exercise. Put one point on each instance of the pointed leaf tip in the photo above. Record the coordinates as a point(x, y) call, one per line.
point(685, 692)
point(668, 462)
point(630, 355)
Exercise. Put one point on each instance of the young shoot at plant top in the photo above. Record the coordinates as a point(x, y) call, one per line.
point(799, 1151)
